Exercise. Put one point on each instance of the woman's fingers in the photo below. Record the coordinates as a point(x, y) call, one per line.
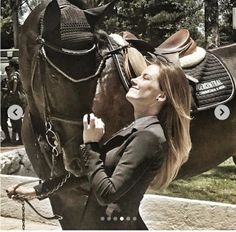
point(11, 190)
point(94, 130)
point(85, 121)
point(92, 120)
point(100, 123)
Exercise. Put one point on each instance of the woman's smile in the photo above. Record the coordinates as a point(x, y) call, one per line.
point(134, 87)
point(145, 87)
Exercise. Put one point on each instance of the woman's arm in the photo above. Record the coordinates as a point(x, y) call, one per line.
point(143, 149)
point(49, 185)
point(15, 83)
point(41, 191)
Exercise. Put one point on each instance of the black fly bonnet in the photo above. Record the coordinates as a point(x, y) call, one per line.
point(67, 27)
point(66, 34)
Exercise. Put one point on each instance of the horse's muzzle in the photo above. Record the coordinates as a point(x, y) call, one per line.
point(72, 156)
point(73, 161)
point(75, 167)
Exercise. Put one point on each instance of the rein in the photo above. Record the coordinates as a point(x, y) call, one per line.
point(23, 200)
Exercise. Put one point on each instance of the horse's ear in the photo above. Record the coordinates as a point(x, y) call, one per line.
point(79, 3)
point(93, 15)
point(51, 22)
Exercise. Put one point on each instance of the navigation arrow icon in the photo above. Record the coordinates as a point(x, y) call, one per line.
point(15, 112)
point(222, 112)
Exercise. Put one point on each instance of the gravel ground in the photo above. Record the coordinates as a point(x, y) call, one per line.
point(8, 223)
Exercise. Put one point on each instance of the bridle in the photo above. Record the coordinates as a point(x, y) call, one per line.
point(48, 116)
point(51, 135)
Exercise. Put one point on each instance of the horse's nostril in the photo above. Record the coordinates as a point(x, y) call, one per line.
point(75, 167)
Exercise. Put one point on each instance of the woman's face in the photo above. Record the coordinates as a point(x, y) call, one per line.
point(145, 88)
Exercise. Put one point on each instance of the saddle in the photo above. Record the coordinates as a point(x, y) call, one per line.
point(210, 81)
point(180, 42)
point(181, 49)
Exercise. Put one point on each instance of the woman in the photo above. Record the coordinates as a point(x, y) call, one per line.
point(4, 107)
point(152, 149)
point(16, 96)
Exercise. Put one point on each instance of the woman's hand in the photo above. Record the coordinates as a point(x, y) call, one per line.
point(21, 192)
point(93, 131)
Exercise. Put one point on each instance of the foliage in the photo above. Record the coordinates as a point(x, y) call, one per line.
point(155, 20)
point(152, 20)
point(6, 25)
point(7, 7)
point(227, 35)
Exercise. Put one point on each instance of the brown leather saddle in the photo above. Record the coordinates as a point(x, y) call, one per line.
point(180, 43)
point(176, 46)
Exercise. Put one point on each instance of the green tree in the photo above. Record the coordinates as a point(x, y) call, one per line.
point(211, 23)
point(11, 11)
point(155, 20)
point(227, 34)
point(6, 25)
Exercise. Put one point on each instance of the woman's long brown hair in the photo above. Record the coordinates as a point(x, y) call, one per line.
point(175, 119)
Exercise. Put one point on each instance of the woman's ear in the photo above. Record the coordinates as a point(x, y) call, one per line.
point(161, 97)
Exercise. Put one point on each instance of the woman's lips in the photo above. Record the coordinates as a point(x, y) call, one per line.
point(133, 87)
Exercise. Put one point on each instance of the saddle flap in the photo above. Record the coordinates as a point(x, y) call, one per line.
point(214, 83)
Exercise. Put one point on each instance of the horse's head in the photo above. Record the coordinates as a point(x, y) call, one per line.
point(66, 84)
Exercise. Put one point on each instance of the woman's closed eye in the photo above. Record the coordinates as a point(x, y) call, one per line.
point(146, 77)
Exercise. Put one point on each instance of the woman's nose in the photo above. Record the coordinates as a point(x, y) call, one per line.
point(134, 81)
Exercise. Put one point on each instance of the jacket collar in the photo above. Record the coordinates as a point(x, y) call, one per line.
point(138, 124)
point(145, 122)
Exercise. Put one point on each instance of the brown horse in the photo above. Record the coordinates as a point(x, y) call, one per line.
point(58, 102)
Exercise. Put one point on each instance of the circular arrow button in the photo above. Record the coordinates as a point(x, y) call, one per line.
point(222, 112)
point(15, 112)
